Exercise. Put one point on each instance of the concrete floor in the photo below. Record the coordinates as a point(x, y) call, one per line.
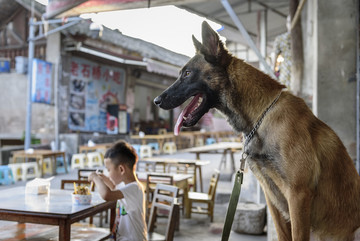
point(199, 226)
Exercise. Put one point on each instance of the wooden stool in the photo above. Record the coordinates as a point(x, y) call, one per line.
point(95, 159)
point(78, 160)
point(169, 147)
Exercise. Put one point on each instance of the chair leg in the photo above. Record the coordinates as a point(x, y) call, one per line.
point(177, 225)
point(211, 212)
point(188, 205)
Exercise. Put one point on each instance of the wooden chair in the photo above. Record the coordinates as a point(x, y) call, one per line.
point(184, 168)
point(151, 181)
point(164, 199)
point(206, 198)
point(83, 173)
point(68, 184)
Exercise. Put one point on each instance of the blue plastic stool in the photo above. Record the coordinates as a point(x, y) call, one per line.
point(60, 166)
point(137, 148)
point(6, 175)
point(210, 141)
point(154, 146)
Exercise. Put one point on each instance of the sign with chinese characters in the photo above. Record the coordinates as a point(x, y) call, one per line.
point(41, 81)
point(93, 87)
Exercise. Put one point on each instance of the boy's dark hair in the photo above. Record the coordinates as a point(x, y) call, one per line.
point(122, 153)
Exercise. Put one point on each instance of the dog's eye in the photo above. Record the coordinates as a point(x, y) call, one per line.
point(187, 73)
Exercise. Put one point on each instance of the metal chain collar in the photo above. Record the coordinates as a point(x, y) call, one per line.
point(254, 129)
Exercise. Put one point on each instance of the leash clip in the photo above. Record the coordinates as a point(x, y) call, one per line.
point(242, 161)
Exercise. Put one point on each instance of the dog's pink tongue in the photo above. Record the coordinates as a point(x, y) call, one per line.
point(186, 111)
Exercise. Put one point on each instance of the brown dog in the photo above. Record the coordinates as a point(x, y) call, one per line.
point(309, 180)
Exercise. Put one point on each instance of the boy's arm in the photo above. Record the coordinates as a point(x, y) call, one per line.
point(107, 181)
point(105, 192)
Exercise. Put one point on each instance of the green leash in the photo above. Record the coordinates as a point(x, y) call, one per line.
point(233, 200)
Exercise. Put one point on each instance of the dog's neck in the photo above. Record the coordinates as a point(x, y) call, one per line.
point(250, 93)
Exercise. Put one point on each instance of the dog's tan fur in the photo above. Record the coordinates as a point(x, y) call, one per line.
point(309, 180)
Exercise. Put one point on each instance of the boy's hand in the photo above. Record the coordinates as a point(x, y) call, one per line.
point(92, 176)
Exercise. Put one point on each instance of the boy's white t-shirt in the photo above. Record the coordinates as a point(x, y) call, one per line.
point(131, 210)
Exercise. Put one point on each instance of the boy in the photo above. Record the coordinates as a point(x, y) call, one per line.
point(120, 161)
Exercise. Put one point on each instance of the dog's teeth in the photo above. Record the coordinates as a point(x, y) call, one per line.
point(184, 117)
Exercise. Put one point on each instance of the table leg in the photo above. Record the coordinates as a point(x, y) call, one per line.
point(64, 230)
point(195, 178)
point(197, 156)
point(161, 144)
point(41, 162)
point(200, 178)
point(112, 219)
point(232, 160)
point(53, 166)
point(187, 204)
point(65, 162)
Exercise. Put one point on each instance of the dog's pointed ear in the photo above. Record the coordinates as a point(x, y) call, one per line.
point(197, 44)
point(213, 49)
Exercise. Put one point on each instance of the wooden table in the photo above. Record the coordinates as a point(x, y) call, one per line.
point(159, 138)
point(224, 147)
point(164, 161)
point(101, 146)
point(53, 209)
point(39, 156)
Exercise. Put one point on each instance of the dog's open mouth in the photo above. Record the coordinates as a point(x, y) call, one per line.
point(191, 113)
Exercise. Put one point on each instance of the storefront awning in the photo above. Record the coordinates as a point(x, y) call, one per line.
point(151, 65)
point(161, 68)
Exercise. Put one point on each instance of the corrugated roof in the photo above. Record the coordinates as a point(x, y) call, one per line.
point(144, 48)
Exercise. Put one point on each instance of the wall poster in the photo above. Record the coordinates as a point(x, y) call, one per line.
point(41, 81)
point(93, 87)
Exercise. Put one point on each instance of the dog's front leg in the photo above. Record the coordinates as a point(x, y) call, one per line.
point(300, 208)
point(283, 228)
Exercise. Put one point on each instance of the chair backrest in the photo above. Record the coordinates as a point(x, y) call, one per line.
point(213, 184)
point(165, 198)
point(151, 182)
point(69, 184)
point(177, 168)
point(144, 166)
point(183, 168)
point(83, 173)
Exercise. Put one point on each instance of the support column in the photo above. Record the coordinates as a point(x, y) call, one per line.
point(336, 68)
point(53, 55)
point(263, 36)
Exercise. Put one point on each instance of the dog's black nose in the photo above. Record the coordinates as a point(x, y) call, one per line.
point(157, 100)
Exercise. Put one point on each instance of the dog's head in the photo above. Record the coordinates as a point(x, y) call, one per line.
point(201, 78)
